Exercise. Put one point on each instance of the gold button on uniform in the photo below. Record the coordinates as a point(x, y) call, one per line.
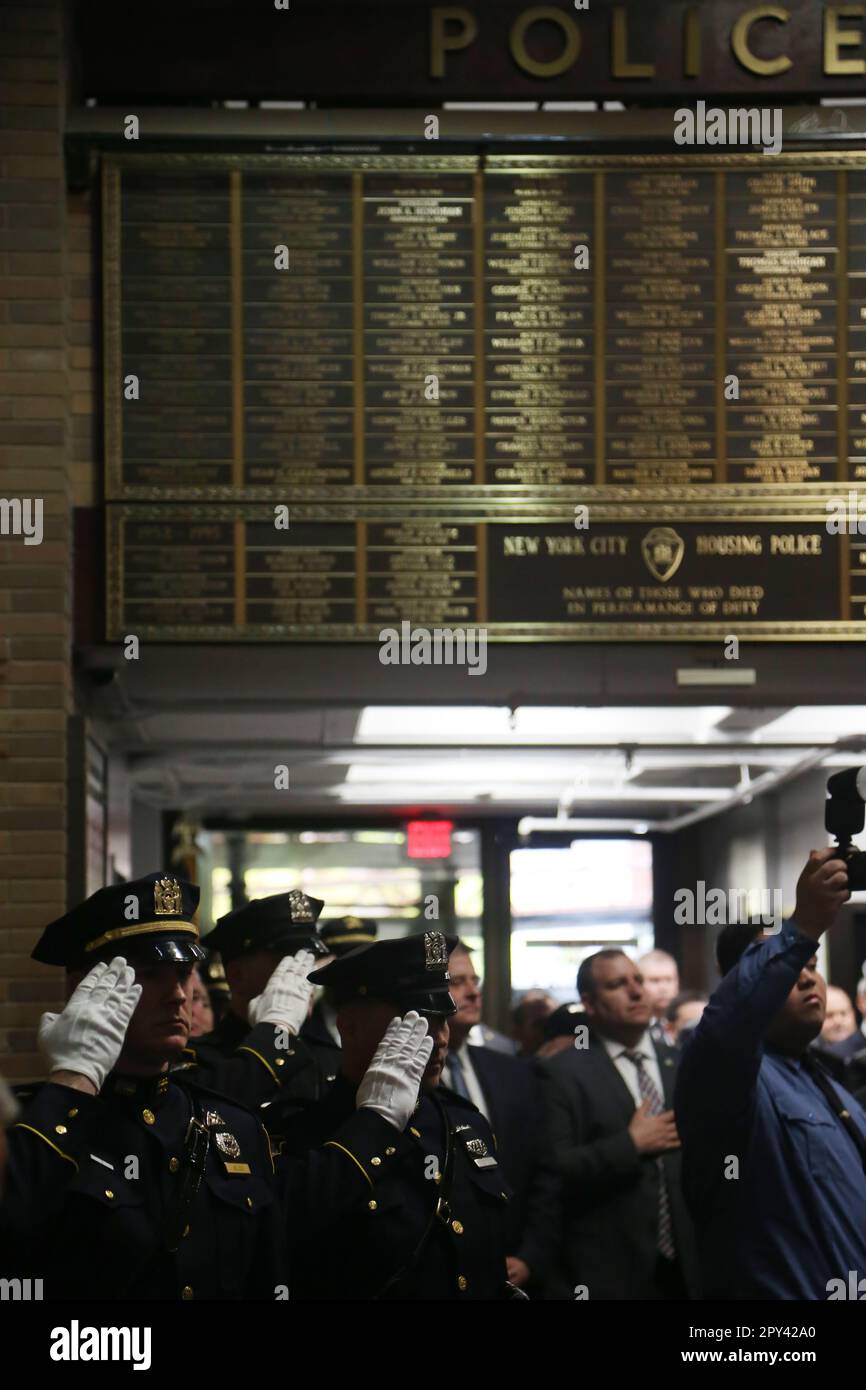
point(73, 1112)
point(457, 1227)
point(416, 1132)
point(462, 1282)
point(173, 1165)
point(372, 1205)
point(186, 1291)
point(148, 1117)
point(279, 1061)
point(437, 1177)
point(109, 1194)
point(375, 1162)
point(390, 1151)
point(59, 1129)
point(249, 1201)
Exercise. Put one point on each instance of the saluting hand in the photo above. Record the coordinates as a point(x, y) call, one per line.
point(285, 999)
point(390, 1084)
point(87, 1037)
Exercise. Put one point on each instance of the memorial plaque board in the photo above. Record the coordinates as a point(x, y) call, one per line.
point(217, 572)
point(434, 360)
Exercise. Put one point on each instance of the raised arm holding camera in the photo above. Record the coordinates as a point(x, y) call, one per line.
point(773, 1150)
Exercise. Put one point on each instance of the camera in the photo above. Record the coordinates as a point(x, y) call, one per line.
point(843, 817)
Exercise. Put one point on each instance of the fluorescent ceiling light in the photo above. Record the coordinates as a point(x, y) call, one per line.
point(546, 724)
point(816, 723)
point(410, 784)
point(461, 770)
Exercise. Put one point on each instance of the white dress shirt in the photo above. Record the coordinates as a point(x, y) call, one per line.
point(473, 1085)
point(628, 1071)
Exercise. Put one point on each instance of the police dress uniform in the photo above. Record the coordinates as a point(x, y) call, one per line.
point(427, 1220)
point(255, 1064)
point(95, 1195)
point(155, 1188)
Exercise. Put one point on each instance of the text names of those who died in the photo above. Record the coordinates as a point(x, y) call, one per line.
point(784, 283)
point(298, 347)
point(539, 326)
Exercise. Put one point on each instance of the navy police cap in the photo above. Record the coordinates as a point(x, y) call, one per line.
point(410, 972)
point(283, 922)
point(150, 918)
point(343, 934)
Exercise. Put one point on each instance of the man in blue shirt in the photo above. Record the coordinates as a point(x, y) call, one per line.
point(773, 1150)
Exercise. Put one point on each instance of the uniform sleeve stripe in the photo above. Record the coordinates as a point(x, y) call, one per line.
point(47, 1141)
point(332, 1143)
point(263, 1061)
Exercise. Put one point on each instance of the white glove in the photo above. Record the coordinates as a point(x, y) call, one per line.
point(88, 1035)
point(286, 997)
point(390, 1084)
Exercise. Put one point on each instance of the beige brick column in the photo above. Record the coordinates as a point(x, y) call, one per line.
point(35, 580)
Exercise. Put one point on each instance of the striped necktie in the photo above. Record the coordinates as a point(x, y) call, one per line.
point(649, 1091)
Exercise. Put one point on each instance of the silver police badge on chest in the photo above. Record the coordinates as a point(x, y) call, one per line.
point(227, 1145)
point(479, 1153)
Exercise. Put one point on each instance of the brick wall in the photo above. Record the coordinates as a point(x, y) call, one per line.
point(40, 401)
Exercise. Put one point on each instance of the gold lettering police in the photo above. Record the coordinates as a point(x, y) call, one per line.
point(454, 28)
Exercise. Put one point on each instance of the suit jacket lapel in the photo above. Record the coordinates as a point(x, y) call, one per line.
point(609, 1075)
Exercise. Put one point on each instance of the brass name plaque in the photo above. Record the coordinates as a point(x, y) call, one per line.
point(186, 573)
point(551, 322)
point(434, 363)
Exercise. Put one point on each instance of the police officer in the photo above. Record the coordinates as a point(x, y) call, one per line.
point(344, 934)
point(213, 976)
point(267, 947)
point(126, 1180)
point(340, 935)
point(432, 1225)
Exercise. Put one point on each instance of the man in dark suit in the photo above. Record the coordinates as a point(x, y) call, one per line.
point(613, 1140)
point(506, 1091)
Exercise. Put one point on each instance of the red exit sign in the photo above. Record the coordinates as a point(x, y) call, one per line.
point(429, 839)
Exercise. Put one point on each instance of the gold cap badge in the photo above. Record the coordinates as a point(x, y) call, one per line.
point(435, 954)
point(167, 900)
point(300, 907)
